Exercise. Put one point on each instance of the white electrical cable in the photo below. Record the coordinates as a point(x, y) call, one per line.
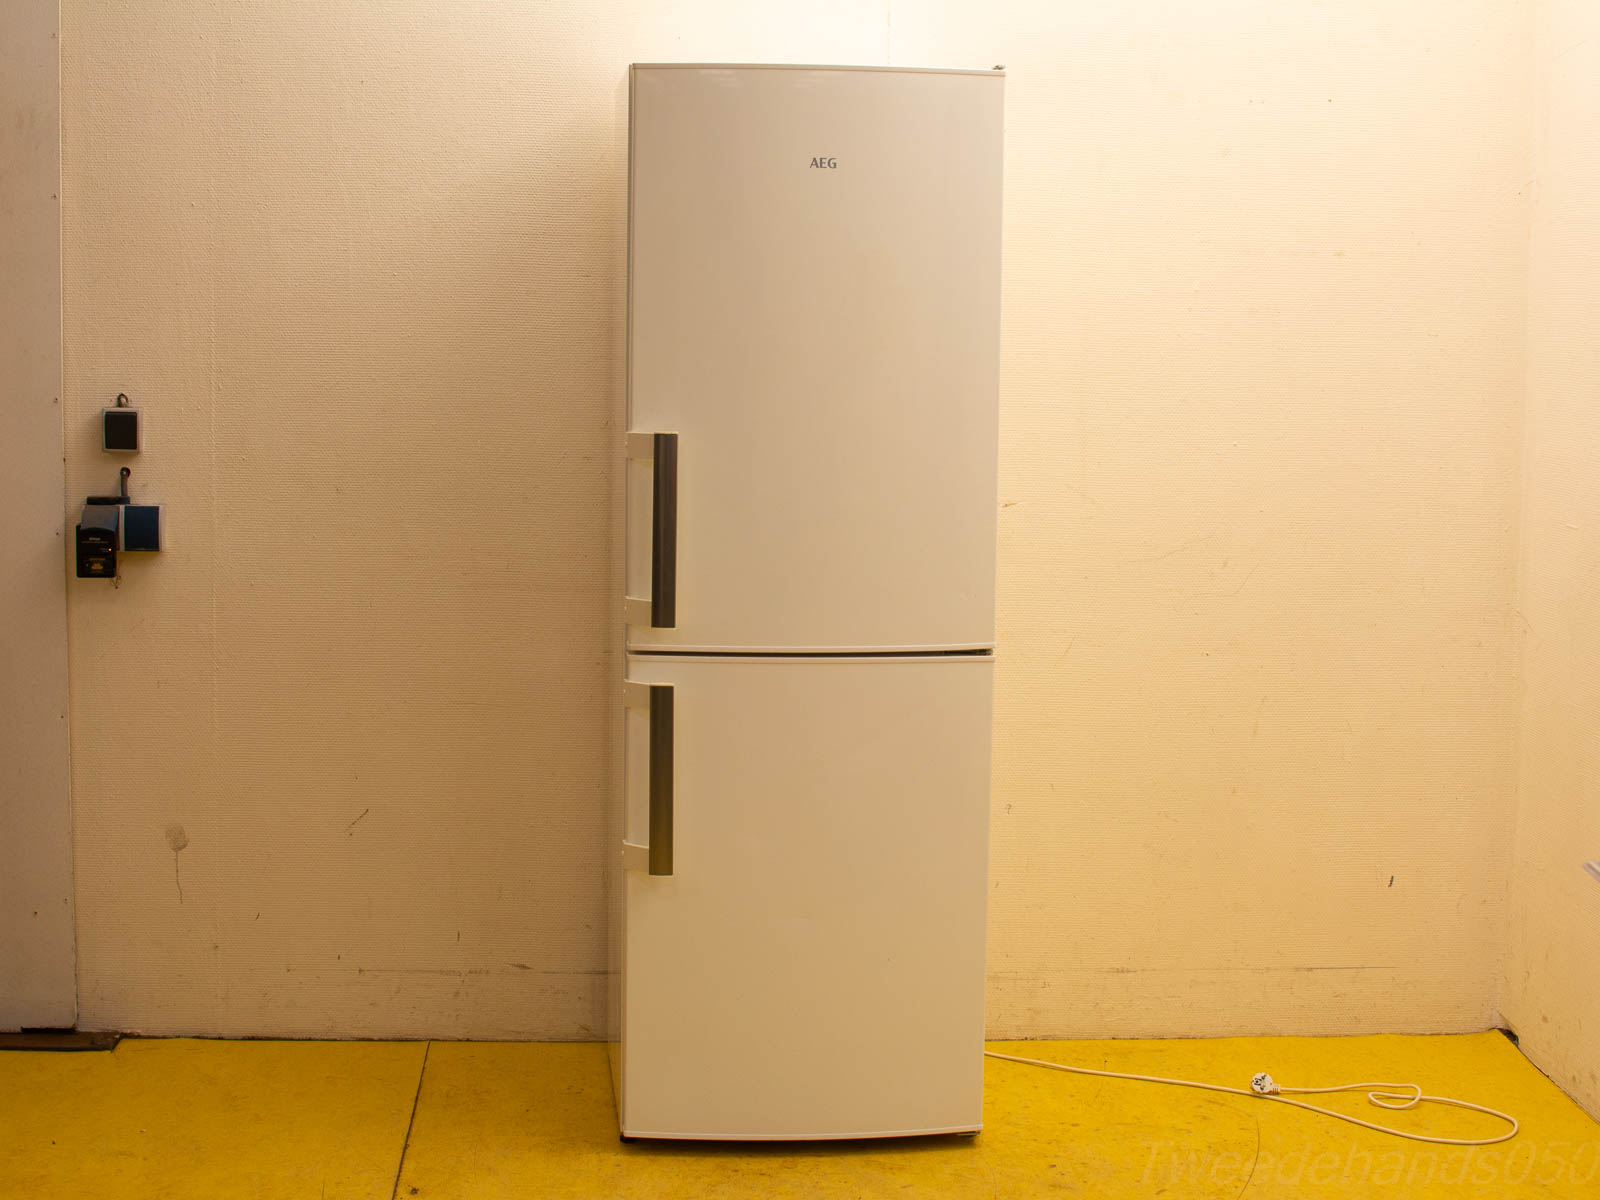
point(1394, 1096)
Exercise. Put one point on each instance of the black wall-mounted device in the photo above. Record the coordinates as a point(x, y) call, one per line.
point(99, 534)
point(141, 527)
point(111, 524)
point(119, 427)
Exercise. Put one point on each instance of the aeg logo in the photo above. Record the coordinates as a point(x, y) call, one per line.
point(829, 164)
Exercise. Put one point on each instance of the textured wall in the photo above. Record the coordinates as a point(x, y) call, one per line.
point(1264, 289)
point(1552, 994)
point(359, 263)
point(1264, 305)
point(36, 966)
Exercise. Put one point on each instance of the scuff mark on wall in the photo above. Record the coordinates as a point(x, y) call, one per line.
point(177, 839)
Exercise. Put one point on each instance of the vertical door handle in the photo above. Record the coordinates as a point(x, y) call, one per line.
point(661, 778)
point(661, 610)
point(664, 544)
point(658, 697)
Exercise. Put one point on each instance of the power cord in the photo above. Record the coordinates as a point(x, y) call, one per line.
point(1396, 1097)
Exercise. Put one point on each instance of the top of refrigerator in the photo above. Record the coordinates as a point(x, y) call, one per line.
point(814, 334)
point(665, 66)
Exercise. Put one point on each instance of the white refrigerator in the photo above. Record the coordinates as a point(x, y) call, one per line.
point(798, 897)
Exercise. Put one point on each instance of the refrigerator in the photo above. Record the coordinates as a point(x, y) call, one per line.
point(799, 834)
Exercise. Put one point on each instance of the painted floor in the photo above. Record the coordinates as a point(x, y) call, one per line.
point(333, 1120)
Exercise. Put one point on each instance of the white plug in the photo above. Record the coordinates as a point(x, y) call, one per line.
point(1264, 1085)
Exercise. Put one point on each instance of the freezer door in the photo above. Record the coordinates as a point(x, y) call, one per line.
point(814, 313)
point(813, 965)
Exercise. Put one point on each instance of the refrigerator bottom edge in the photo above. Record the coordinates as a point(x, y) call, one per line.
point(946, 1131)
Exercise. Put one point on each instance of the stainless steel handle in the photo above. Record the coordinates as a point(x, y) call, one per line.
point(657, 700)
point(660, 611)
point(664, 534)
point(661, 779)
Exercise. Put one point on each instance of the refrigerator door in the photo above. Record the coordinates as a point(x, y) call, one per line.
point(814, 313)
point(813, 965)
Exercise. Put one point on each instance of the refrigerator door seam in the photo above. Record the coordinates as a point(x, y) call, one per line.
point(781, 655)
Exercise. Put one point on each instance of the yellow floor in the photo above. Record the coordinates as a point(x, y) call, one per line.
point(328, 1120)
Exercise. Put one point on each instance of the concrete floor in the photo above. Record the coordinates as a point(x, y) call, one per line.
point(326, 1120)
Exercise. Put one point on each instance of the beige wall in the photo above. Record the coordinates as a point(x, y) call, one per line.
point(36, 964)
point(1263, 310)
point(1552, 992)
point(359, 264)
point(1261, 400)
